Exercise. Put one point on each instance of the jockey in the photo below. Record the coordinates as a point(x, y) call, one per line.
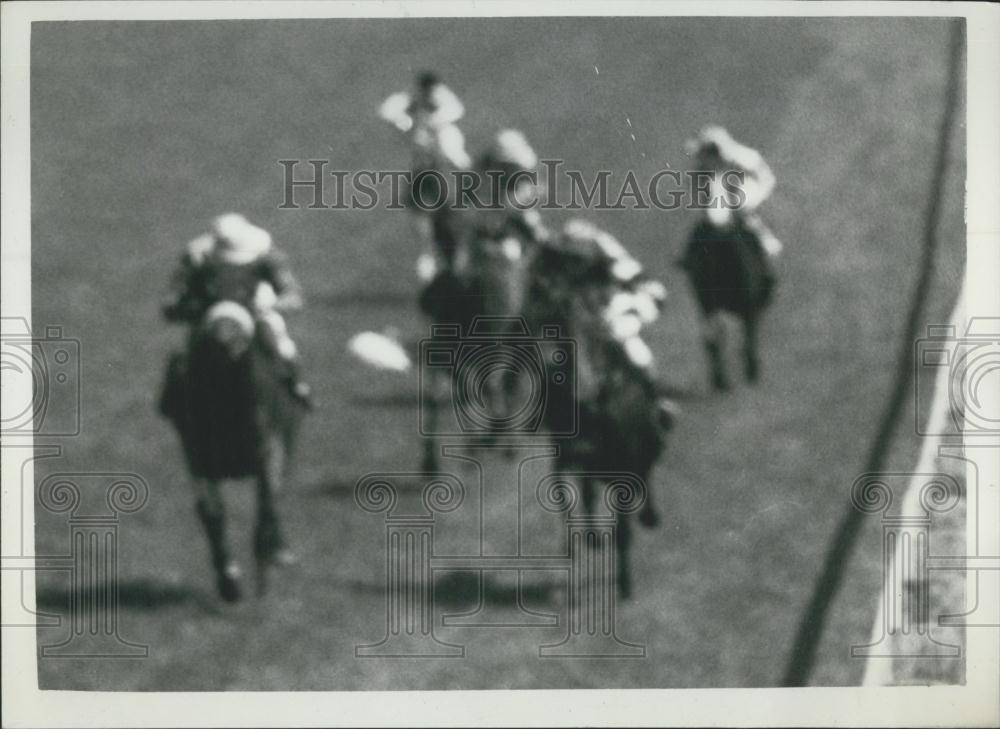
point(716, 150)
point(631, 300)
point(504, 222)
point(428, 118)
point(236, 266)
point(511, 206)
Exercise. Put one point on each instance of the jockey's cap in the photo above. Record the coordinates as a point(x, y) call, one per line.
point(237, 240)
point(512, 147)
point(715, 134)
point(200, 248)
point(234, 312)
point(710, 135)
point(583, 237)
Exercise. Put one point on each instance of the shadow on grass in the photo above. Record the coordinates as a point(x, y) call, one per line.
point(463, 588)
point(339, 489)
point(343, 489)
point(140, 594)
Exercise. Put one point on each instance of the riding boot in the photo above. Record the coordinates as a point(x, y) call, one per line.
point(751, 366)
point(269, 544)
point(623, 542)
point(298, 387)
point(270, 548)
point(227, 572)
point(719, 380)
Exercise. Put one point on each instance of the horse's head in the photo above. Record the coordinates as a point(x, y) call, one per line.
point(230, 326)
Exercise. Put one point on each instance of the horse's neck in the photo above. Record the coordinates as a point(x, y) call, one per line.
point(585, 327)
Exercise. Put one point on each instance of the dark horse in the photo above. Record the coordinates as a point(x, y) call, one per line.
point(486, 279)
point(621, 419)
point(236, 419)
point(729, 271)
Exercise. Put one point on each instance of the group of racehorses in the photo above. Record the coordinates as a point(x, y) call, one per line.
point(236, 420)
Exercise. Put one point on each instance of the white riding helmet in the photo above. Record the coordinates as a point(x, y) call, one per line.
point(584, 237)
point(237, 240)
point(512, 147)
point(712, 134)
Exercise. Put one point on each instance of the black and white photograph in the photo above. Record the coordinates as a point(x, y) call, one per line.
point(479, 347)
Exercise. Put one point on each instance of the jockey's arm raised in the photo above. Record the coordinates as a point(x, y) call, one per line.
point(759, 182)
point(394, 110)
point(448, 108)
point(451, 142)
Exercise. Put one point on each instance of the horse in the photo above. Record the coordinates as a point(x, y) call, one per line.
point(229, 401)
point(729, 272)
point(486, 281)
point(621, 419)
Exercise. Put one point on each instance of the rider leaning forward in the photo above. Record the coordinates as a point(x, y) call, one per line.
point(238, 263)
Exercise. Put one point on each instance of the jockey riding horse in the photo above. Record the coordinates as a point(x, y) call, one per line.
point(729, 256)
point(584, 282)
point(234, 395)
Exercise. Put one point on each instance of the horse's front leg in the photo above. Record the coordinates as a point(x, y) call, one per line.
point(623, 555)
point(587, 493)
point(623, 540)
point(270, 548)
point(751, 359)
point(429, 404)
point(511, 387)
point(212, 514)
point(649, 515)
point(715, 339)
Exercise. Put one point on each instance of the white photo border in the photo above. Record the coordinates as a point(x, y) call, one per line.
point(975, 704)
